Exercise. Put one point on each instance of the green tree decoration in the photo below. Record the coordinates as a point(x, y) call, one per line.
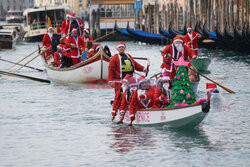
point(182, 91)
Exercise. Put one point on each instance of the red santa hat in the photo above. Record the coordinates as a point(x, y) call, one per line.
point(49, 28)
point(120, 44)
point(86, 30)
point(60, 46)
point(97, 46)
point(189, 28)
point(130, 80)
point(72, 15)
point(74, 29)
point(178, 39)
point(142, 79)
point(68, 15)
point(165, 76)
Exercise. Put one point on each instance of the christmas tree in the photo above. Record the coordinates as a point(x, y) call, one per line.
point(182, 91)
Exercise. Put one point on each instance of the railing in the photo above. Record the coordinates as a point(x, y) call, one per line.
point(42, 25)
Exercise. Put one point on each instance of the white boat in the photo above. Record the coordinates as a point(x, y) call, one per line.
point(15, 16)
point(36, 20)
point(177, 117)
point(93, 69)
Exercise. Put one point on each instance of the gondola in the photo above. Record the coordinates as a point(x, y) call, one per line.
point(228, 34)
point(147, 37)
point(172, 32)
point(165, 33)
point(123, 31)
point(91, 70)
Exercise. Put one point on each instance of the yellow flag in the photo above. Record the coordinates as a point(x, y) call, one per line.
point(49, 22)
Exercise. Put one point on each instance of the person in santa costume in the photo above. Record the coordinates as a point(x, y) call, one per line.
point(191, 39)
point(47, 39)
point(65, 22)
point(59, 57)
point(162, 92)
point(120, 65)
point(74, 23)
point(86, 35)
point(118, 96)
point(91, 49)
point(77, 44)
point(174, 52)
point(55, 40)
point(143, 97)
point(127, 96)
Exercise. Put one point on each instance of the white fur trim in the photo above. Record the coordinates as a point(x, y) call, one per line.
point(178, 40)
point(165, 78)
point(189, 28)
point(132, 115)
point(50, 28)
point(86, 30)
point(120, 45)
point(59, 47)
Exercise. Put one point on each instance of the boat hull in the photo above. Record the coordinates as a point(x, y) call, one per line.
point(201, 64)
point(181, 117)
point(94, 69)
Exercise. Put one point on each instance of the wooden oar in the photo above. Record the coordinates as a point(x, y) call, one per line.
point(21, 65)
point(208, 41)
point(147, 67)
point(155, 75)
point(228, 90)
point(24, 76)
point(140, 58)
point(104, 36)
point(23, 59)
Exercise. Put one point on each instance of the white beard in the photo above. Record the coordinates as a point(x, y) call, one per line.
point(179, 47)
point(165, 86)
point(50, 34)
point(141, 92)
point(124, 88)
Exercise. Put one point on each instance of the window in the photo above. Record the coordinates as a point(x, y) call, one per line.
point(117, 11)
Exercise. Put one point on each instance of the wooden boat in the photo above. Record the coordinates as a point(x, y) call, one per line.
point(19, 29)
point(91, 70)
point(165, 33)
point(8, 38)
point(147, 37)
point(176, 117)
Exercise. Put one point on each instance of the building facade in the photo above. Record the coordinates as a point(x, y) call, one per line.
point(14, 5)
point(76, 5)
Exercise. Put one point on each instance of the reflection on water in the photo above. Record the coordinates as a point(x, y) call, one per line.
point(126, 138)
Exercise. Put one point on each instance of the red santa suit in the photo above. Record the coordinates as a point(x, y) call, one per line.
point(194, 44)
point(76, 52)
point(47, 38)
point(141, 100)
point(115, 67)
point(65, 22)
point(79, 23)
point(173, 54)
point(127, 96)
point(92, 51)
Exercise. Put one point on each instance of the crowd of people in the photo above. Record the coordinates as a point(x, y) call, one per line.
point(131, 95)
point(69, 44)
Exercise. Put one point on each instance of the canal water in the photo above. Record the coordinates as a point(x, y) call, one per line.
point(64, 124)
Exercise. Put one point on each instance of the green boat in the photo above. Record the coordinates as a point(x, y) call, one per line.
point(201, 64)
